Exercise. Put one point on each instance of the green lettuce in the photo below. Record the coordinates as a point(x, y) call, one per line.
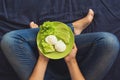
point(53, 28)
point(47, 47)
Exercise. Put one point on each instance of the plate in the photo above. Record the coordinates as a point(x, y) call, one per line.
point(61, 31)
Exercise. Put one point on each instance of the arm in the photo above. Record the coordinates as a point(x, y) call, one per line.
point(40, 68)
point(73, 66)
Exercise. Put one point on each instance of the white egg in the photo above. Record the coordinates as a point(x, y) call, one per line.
point(60, 46)
point(51, 39)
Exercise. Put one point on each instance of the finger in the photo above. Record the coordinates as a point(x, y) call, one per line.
point(74, 46)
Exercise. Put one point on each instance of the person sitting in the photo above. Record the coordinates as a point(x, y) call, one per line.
point(20, 48)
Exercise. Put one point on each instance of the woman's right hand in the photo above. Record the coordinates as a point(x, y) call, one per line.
point(72, 64)
point(72, 54)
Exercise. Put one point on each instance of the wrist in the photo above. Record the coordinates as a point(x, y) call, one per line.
point(43, 59)
point(73, 60)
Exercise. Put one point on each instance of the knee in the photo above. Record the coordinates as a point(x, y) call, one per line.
point(110, 41)
point(8, 39)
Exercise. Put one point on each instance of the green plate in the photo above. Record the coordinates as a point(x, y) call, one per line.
point(69, 46)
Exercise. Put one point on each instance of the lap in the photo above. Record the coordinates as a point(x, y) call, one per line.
point(83, 41)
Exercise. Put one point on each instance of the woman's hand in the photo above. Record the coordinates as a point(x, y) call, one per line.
point(40, 68)
point(73, 65)
point(42, 57)
point(72, 54)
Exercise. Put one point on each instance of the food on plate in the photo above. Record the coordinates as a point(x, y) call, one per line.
point(60, 46)
point(51, 39)
point(55, 39)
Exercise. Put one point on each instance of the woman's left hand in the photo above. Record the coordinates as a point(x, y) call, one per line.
point(41, 56)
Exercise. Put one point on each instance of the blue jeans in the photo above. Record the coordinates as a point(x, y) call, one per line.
point(96, 54)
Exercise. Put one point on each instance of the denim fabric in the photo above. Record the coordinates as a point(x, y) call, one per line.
point(101, 51)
